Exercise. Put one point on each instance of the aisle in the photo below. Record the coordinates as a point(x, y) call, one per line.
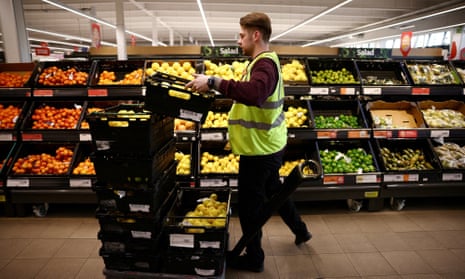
point(425, 240)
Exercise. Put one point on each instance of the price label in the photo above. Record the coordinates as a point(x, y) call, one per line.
point(366, 178)
point(79, 182)
point(333, 179)
point(141, 234)
point(210, 244)
point(182, 240)
point(326, 134)
point(211, 136)
point(452, 177)
point(440, 133)
point(371, 194)
point(233, 182)
point(192, 115)
point(85, 137)
point(209, 182)
point(372, 91)
point(97, 92)
point(401, 177)
point(12, 182)
point(357, 134)
point(139, 207)
point(319, 90)
point(31, 137)
point(382, 134)
point(347, 91)
point(43, 92)
point(408, 134)
point(6, 137)
point(420, 91)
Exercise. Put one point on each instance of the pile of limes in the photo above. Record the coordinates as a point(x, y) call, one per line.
point(338, 122)
point(354, 160)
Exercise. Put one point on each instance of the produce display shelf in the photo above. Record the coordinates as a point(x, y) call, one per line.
point(19, 92)
point(377, 90)
point(433, 189)
point(78, 196)
point(115, 274)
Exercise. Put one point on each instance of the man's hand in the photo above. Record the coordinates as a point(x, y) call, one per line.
point(199, 84)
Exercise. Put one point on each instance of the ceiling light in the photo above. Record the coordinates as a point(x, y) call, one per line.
point(323, 13)
point(386, 26)
point(199, 3)
point(57, 42)
point(77, 12)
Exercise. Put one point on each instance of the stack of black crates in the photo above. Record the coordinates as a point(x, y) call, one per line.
point(136, 176)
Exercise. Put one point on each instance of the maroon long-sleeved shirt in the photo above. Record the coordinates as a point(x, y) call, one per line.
point(263, 80)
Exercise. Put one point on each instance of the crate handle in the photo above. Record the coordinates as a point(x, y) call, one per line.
point(118, 124)
point(179, 94)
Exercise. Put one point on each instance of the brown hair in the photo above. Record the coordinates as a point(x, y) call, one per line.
point(258, 21)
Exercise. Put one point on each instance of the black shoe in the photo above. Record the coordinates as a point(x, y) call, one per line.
point(301, 238)
point(244, 263)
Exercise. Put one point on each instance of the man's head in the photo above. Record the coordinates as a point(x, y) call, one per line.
point(257, 21)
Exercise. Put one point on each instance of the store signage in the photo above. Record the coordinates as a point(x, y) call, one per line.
point(405, 43)
point(96, 37)
point(223, 51)
point(43, 51)
point(364, 52)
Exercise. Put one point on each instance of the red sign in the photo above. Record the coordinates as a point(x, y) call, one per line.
point(405, 43)
point(44, 51)
point(133, 40)
point(96, 37)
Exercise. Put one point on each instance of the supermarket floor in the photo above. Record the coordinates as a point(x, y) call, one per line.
point(424, 240)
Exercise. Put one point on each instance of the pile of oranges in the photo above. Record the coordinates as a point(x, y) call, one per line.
point(132, 78)
point(54, 76)
point(49, 117)
point(8, 116)
point(13, 79)
point(45, 164)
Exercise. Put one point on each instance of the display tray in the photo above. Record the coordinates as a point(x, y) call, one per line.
point(342, 119)
point(166, 94)
point(218, 162)
point(129, 129)
point(82, 173)
point(444, 118)
point(42, 165)
point(294, 73)
point(407, 161)
point(333, 77)
point(183, 68)
point(118, 73)
point(434, 78)
point(114, 168)
point(225, 67)
point(16, 79)
point(451, 155)
point(400, 119)
point(115, 244)
point(7, 152)
point(296, 152)
point(53, 121)
point(383, 77)
point(100, 106)
point(12, 114)
point(217, 116)
point(185, 231)
point(459, 66)
point(348, 162)
point(138, 199)
point(199, 264)
point(132, 262)
point(62, 78)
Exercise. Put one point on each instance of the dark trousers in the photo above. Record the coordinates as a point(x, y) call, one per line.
point(258, 181)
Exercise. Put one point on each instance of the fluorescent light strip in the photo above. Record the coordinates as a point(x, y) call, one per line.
point(385, 26)
point(323, 13)
point(199, 3)
point(74, 11)
point(397, 36)
point(57, 42)
point(67, 36)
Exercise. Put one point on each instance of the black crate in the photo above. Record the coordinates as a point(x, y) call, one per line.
point(321, 109)
point(24, 70)
point(132, 262)
point(94, 106)
point(166, 94)
point(432, 73)
point(297, 114)
point(28, 123)
point(115, 244)
point(83, 155)
point(17, 111)
point(120, 69)
point(137, 199)
point(345, 67)
point(382, 73)
point(128, 128)
point(114, 168)
point(85, 67)
point(183, 235)
point(7, 151)
point(198, 264)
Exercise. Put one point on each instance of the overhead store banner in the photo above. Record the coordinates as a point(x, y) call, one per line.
point(224, 51)
point(406, 43)
point(378, 53)
point(96, 35)
point(457, 47)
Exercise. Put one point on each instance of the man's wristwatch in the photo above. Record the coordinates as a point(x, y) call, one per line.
point(211, 82)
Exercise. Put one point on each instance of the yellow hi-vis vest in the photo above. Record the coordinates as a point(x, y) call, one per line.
point(260, 130)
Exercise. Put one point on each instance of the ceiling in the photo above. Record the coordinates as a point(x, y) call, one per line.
point(180, 21)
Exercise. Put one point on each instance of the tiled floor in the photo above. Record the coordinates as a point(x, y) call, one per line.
point(424, 240)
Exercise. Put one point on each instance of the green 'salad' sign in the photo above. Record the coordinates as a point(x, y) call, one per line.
point(223, 51)
point(365, 52)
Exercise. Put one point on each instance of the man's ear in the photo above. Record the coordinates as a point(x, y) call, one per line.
point(256, 35)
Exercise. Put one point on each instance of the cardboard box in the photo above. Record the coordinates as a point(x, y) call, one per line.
point(395, 115)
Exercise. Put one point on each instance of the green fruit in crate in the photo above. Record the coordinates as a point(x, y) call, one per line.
point(354, 160)
point(338, 122)
point(342, 76)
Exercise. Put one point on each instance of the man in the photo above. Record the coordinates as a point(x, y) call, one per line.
point(258, 133)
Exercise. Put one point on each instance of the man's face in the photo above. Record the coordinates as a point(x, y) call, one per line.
point(245, 41)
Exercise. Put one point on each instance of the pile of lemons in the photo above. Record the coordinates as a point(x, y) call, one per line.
point(208, 213)
point(180, 69)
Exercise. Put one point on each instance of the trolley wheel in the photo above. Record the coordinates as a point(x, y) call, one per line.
point(40, 210)
point(354, 205)
point(397, 204)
